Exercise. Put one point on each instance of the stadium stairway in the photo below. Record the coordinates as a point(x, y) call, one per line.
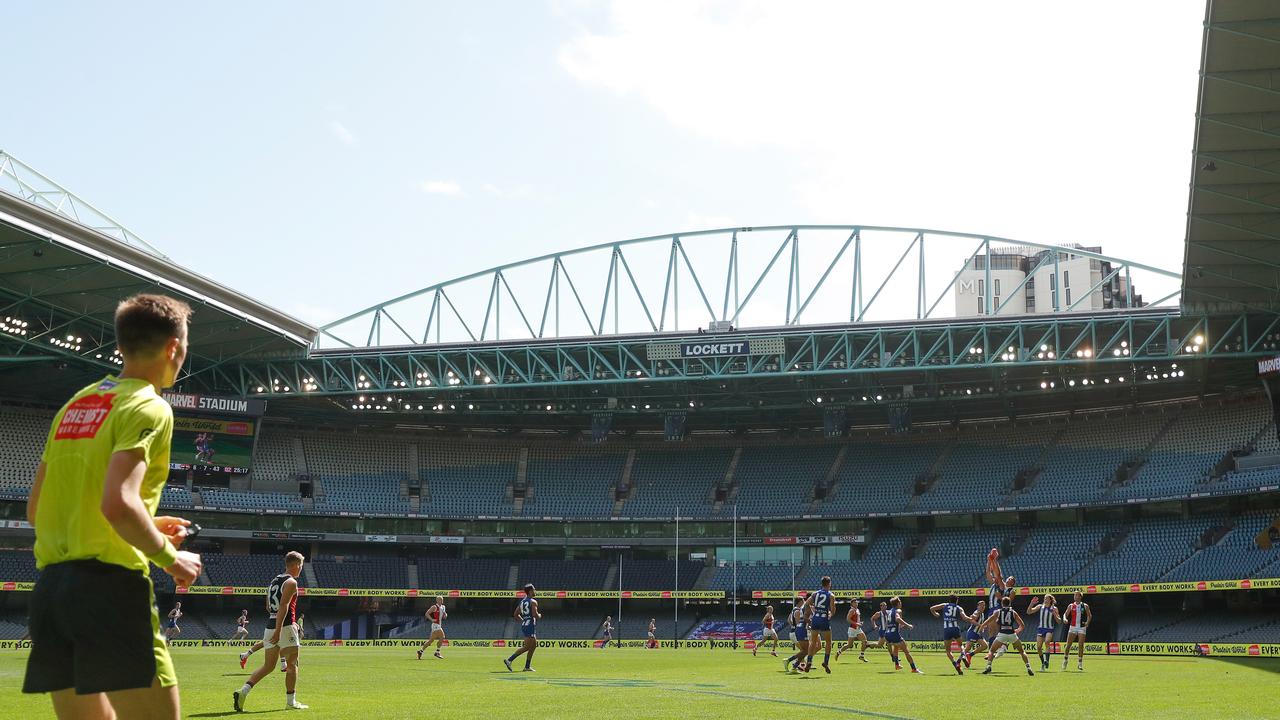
point(705, 577)
point(1139, 461)
point(909, 552)
point(513, 576)
point(730, 484)
point(826, 487)
point(309, 575)
point(411, 574)
point(1035, 469)
point(620, 497)
point(932, 475)
point(611, 577)
point(1112, 540)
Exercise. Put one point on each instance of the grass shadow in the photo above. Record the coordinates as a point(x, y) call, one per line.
point(1268, 664)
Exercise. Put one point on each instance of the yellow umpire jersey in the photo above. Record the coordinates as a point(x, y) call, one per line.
point(104, 418)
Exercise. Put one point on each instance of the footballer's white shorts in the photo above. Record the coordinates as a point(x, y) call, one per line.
point(288, 637)
point(435, 628)
point(241, 634)
point(857, 633)
point(1076, 631)
point(1007, 638)
point(770, 633)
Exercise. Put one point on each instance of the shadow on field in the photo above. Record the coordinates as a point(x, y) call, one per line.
point(229, 712)
point(1268, 664)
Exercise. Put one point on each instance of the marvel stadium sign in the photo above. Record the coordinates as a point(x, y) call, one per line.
point(216, 404)
point(1270, 366)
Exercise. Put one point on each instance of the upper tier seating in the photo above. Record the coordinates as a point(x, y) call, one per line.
point(351, 572)
point(467, 478)
point(573, 481)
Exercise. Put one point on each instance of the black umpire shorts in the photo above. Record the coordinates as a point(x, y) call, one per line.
point(94, 628)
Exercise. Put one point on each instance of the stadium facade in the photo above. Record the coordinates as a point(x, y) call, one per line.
point(698, 457)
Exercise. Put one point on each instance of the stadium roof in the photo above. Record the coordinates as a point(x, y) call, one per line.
point(1232, 259)
point(64, 266)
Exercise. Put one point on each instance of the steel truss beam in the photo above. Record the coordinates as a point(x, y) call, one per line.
point(1048, 341)
point(473, 304)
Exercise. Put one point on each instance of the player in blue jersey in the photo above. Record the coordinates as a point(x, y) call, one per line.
point(893, 635)
point(528, 615)
point(799, 622)
point(974, 636)
point(878, 620)
point(952, 614)
point(1047, 618)
point(824, 606)
point(1008, 626)
point(608, 631)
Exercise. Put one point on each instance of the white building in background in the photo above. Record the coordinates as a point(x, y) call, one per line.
point(1071, 283)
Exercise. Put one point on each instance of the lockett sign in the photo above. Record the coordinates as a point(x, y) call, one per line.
point(714, 349)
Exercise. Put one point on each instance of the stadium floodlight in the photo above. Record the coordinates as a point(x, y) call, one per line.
point(1044, 348)
point(487, 379)
point(819, 399)
point(1198, 340)
point(879, 398)
point(1072, 383)
point(471, 406)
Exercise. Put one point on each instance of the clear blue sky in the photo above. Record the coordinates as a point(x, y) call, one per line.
point(323, 156)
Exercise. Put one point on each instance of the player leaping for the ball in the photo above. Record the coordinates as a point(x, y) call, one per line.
point(1000, 585)
point(1048, 619)
point(769, 633)
point(528, 615)
point(1077, 617)
point(435, 615)
point(951, 614)
point(855, 633)
point(1008, 624)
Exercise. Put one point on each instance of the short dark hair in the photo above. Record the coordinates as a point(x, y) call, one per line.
point(144, 323)
point(1006, 601)
point(953, 598)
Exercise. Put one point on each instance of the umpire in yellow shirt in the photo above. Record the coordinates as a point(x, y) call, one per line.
point(95, 635)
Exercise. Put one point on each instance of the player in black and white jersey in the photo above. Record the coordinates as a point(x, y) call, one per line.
point(1008, 626)
point(280, 638)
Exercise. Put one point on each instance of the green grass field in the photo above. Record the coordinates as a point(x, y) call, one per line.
point(384, 683)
